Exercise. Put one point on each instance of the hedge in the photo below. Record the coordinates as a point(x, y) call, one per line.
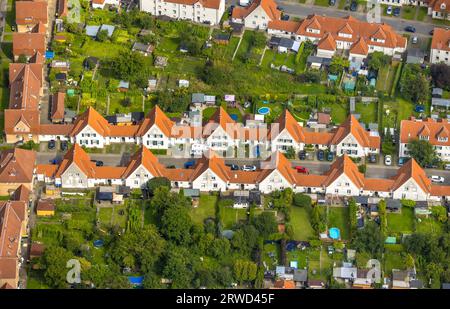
point(396, 79)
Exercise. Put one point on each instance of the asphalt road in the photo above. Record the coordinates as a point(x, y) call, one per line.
point(315, 167)
point(295, 9)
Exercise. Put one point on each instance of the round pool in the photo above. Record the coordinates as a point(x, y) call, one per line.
point(335, 233)
point(263, 110)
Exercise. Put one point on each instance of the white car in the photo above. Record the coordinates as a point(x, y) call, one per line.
point(438, 179)
point(248, 168)
point(415, 40)
point(389, 10)
point(388, 160)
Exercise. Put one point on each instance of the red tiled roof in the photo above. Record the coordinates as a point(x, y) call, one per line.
point(352, 126)
point(411, 129)
point(214, 163)
point(31, 12)
point(412, 170)
point(55, 129)
point(269, 6)
point(22, 193)
point(58, 106)
point(25, 84)
point(344, 165)
point(17, 165)
point(156, 117)
point(144, 157)
point(441, 39)
point(80, 158)
point(93, 119)
point(287, 121)
point(48, 170)
point(28, 44)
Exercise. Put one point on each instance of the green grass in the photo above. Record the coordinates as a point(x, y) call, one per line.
point(36, 280)
point(208, 112)
point(342, 4)
point(423, 13)
point(408, 12)
point(401, 223)
point(321, 2)
point(392, 260)
point(429, 226)
point(339, 112)
point(339, 217)
point(274, 261)
point(231, 216)
point(386, 77)
point(368, 111)
point(206, 208)
point(300, 223)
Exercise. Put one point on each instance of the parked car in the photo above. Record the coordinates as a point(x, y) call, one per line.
point(401, 161)
point(63, 145)
point(330, 156)
point(302, 155)
point(54, 161)
point(189, 164)
point(285, 17)
point(233, 167)
point(396, 12)
point(332, 2)
point(372, 158)
point(447, 166)
point(410, 29)
point(353, 6)
point(414, 40)
point(302, 169)
point(321, 155)
point(98, 163)
point(248, 168)
point(389, 10)
point(437, 179)
point(51, 144)
point(388, 160)
point(431, 32)
point(419, 109)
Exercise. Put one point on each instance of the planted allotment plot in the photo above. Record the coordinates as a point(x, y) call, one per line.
point(205, 209)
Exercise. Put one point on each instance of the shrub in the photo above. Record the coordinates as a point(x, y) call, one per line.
point(408, 203)
point(302, 200)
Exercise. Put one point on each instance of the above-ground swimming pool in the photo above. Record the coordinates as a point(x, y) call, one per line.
point(335, 233)
point(263, 110)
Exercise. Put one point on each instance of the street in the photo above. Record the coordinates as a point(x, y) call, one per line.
point(315, 167)
point(296, 9)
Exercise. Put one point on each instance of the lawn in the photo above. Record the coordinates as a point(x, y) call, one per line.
point(396, 111)
point(392, 260)
point(342, 4)
point(321, 2)
point(423, 13)
point(368, 111)
point(300, 223)
point(36, 280)
point(386, 77)
point(428, 226)
point(408, 12)
point(339, 217)
point(401, 223)
point(339, 112)
point(231, 216)
point(271, 256)
point(206, 208)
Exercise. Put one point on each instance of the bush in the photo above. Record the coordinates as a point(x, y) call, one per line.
point(302, 200)
point(408, 203)
point(362, 168)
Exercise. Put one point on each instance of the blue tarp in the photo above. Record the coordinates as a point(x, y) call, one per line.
point(136, 280)
point(332, 77)
point(234, 117)
point(49, 54)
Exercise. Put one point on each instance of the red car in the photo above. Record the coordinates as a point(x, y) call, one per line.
point(302, 169)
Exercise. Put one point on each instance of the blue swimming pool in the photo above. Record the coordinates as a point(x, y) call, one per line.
point(335, 233)
point(263, 110)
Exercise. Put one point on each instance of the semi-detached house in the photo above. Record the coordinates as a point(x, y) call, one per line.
point(332, 34)
point(440, 46)
point(211, 174)
point(200, 11)
point(257, 15)
point(437, 132)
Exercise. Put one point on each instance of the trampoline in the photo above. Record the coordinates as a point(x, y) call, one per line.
point(263, 110)
point(98, 243)
point(335, 233)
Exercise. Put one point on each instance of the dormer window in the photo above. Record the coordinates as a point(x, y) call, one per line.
point(424, 137)
point(344, 35)
point(442, 139)
point(311, 30)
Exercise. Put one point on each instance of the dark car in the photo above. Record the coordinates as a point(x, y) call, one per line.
point(54, 161)
point(189, 164)
point(419, 109)
point(332, 2)
point(51, 144)
point(321, 155)
point(98, 163)
point(233, 167)
point(353, 6)
point(302, 155)
point(330, 156)
point(410, 29)
point(372, 158)
point(285, 17)
point(63, 145)
point(397, 12)
point(431, 32)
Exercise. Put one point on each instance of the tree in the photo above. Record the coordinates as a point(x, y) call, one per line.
point(245, 239)
point(440, 73)
point(152, 281)
point(139, 249)
point(177, 267)
point(414, 84)
point(163, 199)
point(383, 218)
point(22, 59)
point(176, 224)
point(440, 213)
point(244, 270)
point(130, 66)
point(290, 153)
point(422, 151)
point(338, 64)
point(173, 101)
point(302, 200)
point(352, 209)
point(369, 239)
point(377, 60)
point(388, 145)
point(102, 35)
point(55, 263)
point(216, 73)
point(266, 224)
point(155, 183)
